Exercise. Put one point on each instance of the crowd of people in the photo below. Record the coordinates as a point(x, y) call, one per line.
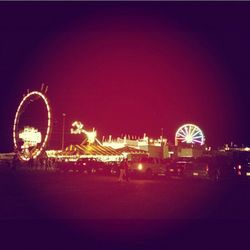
point(39, 163)
point(45, 163)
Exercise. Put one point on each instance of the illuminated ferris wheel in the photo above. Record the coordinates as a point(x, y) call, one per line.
point(30, 139)
point(189, 133)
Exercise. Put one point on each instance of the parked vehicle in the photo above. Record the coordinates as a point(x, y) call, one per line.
point(207, 167)
point(176, 167)
point(211, 168)
point(99, 167)
point(65, 166)
point(90, 165)
point(199, 168)
point(241, 161)
point(223, 168)
point(147, 167)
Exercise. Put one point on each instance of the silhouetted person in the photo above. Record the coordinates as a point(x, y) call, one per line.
point(123, 170)
point(126, 169)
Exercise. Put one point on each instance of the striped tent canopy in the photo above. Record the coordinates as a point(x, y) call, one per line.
point(71, 150)
point(91, 150)
point(131, 150)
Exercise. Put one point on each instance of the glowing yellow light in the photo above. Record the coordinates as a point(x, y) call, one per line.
point(188, 138)
point(91, 136)
point(30, 136)
point(140, 167)
point(77, 128)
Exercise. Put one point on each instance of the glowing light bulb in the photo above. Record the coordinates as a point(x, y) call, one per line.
point(189, 138)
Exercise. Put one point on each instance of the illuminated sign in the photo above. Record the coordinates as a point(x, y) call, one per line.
point(30, 136)
point(77, 128)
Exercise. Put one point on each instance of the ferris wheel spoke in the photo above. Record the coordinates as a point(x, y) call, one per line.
point(186, 130)
point(183, 130)
point(181, 134)
point(196, 133)
point(198, 136)
point(194, 130)
point(199, 141)
point(191, 130)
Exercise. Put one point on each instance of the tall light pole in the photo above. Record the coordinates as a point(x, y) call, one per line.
point(162, 146)
point(161, 135)
point(63, 130)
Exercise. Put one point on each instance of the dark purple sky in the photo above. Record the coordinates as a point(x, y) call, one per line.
point(130, 68)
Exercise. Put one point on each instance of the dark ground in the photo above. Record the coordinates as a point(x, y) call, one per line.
point(72, 210)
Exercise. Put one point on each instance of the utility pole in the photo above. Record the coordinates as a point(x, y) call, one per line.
point(63, 130)
point(162, 136)
point(162, 146)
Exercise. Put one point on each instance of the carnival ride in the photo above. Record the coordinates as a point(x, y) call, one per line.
point(29, 142)
point(190, 134)
point(91, 136)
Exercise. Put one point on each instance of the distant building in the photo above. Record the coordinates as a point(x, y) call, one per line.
point(190, 152)
point(155, 147)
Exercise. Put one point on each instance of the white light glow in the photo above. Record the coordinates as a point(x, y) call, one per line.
point(30, 136)
point(140, 166)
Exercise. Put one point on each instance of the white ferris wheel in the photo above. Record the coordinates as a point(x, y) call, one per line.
point(189, 133)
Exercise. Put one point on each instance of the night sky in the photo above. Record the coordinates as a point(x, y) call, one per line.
point(130, 68)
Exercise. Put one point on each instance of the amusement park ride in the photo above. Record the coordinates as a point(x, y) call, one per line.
point(30, 143)
point(189, 133)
